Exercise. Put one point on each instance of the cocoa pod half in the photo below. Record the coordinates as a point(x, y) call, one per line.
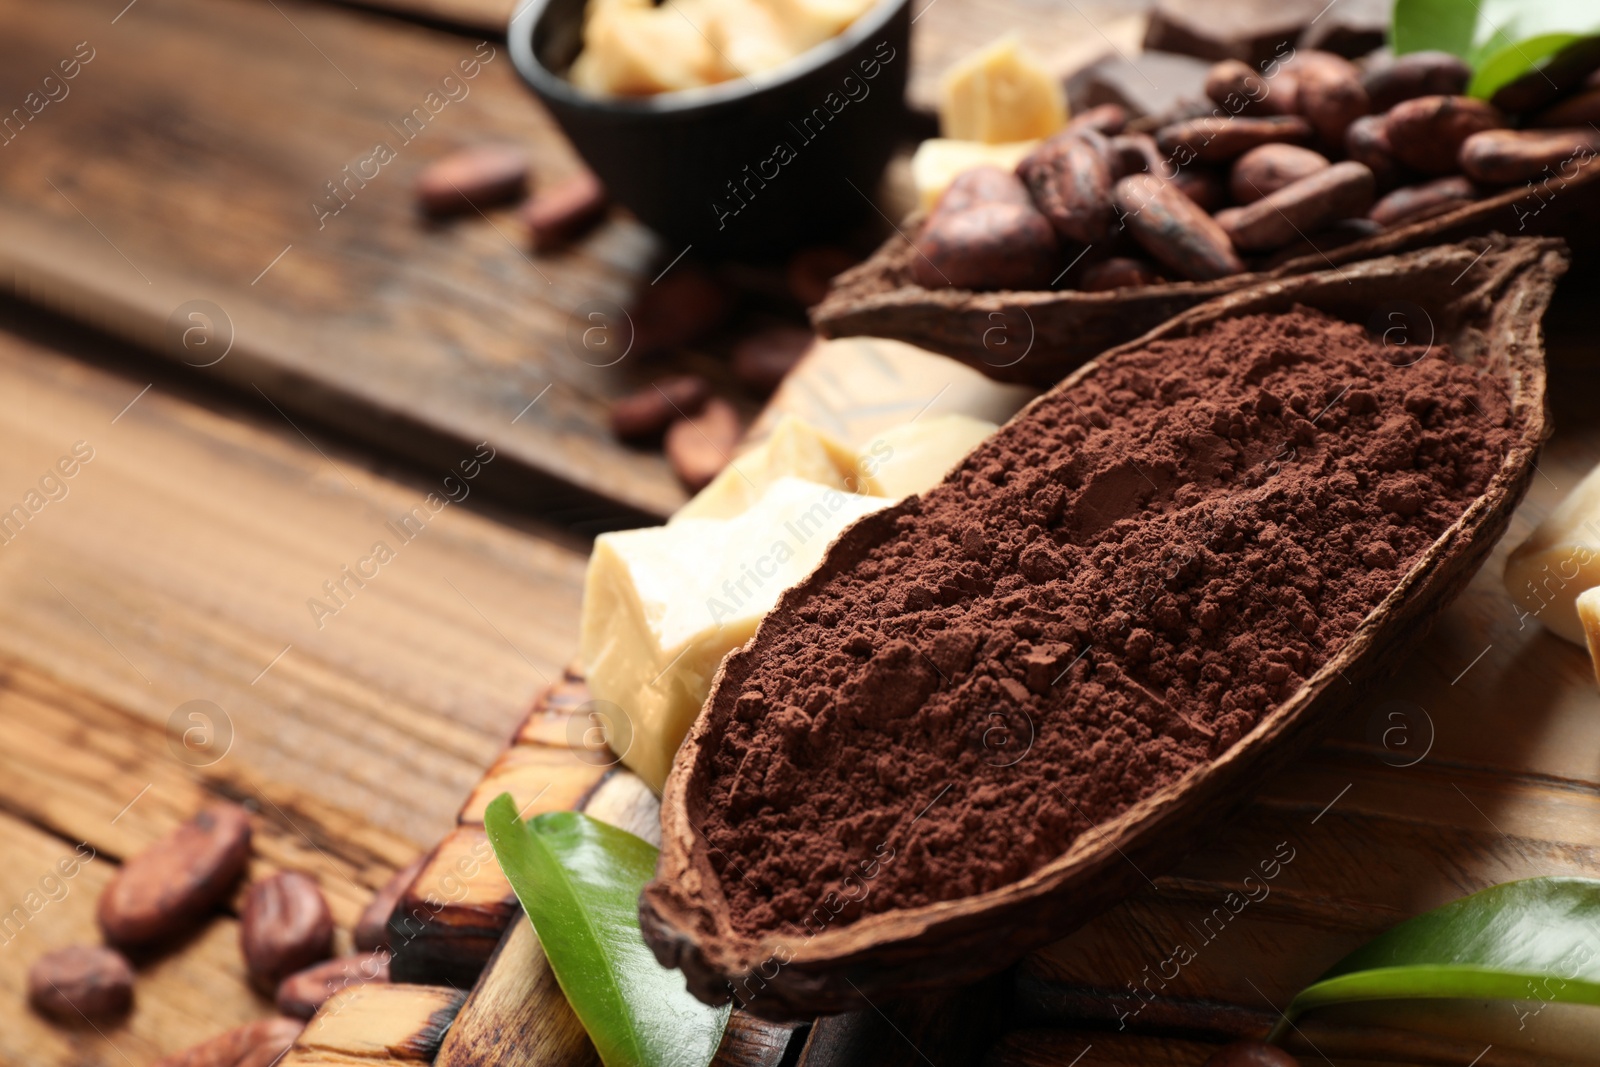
point(1119, 272)
point(1502, 157)
point(1174, 229)
point(1416, 74)
point(1425, 133)
point(175, 883)
point(1214, 139)
point(1339, 192)
point(81, 982)
point(1070, 181)
point(284, 927)
point(988, 246)
point(1269, 168)
point(1412, 203)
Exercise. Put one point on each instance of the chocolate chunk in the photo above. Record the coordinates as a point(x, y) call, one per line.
point(1151, 83)
point(1252, 30)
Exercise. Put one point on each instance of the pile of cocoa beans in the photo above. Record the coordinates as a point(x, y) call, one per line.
point(1306, 154)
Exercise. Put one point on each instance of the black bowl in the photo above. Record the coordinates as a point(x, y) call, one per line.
point(758, 165)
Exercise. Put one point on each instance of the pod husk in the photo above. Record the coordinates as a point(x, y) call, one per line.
point(1486, 298)
point(1036, 337)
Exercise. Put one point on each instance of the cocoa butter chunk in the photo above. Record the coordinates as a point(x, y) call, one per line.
point(176, 884)
point(1501, 157)
point(1341, 191)
point(1108, 593)
point(1175, 230)
point(481, 176)
point(1217, 139)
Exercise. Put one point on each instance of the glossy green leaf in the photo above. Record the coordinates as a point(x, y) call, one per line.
point(1537, 939)
point(1500, 39)
point(579, 881)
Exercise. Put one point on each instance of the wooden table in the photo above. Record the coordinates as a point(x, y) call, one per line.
point(169, 588)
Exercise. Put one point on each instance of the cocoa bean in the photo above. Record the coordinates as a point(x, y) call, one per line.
point(1215, 139)
point(981, 185)
point(81, 982)
point(651, 410)
point(762, 359)
point(1502, 157)
point(1334, 235)
point(680, 308)
point(1425, 133)
point(1415, 74)
point(699, 447)
point(1413, 203)
point(1241, 90)
point(1581, 109)
point(1107, 119)
point(1367, 141)
point(480, 176)
point(1251, 1054)
point(285, 926)
point(1204, 186)
point(1069, 179)
point(1119, 272)
point(988, 246)
point(229, 1048)
point(303, 992)
point(1341, 191)
point(565, 210)
point(1331, 95)
point(1135, 153)
point(811, 271)
point(1270, 167)
point(177, 882)
point(372, 929)
point(1174, 229)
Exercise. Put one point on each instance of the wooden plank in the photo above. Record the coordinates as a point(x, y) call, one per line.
point(422, 338)
point(377, 1023)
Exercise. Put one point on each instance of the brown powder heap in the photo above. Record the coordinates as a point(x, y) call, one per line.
point(1106, 594)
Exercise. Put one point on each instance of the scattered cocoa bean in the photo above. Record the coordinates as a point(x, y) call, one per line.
point(1216, 139)
point(811, 272)
point(1108, 119)
point(1502, 157)
point(1242, 90)
point(1119, 272)
point(1251, 1054)
point(1425, 132)
point(1367, 141)
point(1204, 186)
point(762, 359)
point(981, 185)
point(678, 309)
point(1174, 229)
point(564, 210)
point(480, 176)
point(699, 447)
point(1069, 178)
point(1341, 191)
point(651, 410)
point(1270, 167)
point(1331, 95)
point(175, 883)
point(988, 246)
point(1135, 153)
point(303, 992)
point(372, 929)
point(1415, 74)
point(284, 927)
point(1413, 203)
point(81, 982)
point(1582, 109)
point(229, 1048)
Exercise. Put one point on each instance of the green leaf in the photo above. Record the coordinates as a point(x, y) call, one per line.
point(1500, 39)
point(579, 881)
point(1537, 939)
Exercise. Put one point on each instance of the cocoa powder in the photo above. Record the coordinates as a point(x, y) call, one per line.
point(1111, 591)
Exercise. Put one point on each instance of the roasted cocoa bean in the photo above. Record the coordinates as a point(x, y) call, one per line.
point(811, 271)
point(284, 927)
point(372, 928)
point(480, 176)
point(81, 982)
point(1174, 229)
point(1135, 153)
point(229, 1049)
point(1107, 119)
point(699, 447)
point(303, 992)
point(682, 307)
point(1069, 178)
point(1413, 203)
point(1214, 139)
point(1341, 191)
point(1425, 133)
point(1502, 157)
point(1119, 272)
point(1251, 1054)
point(1581, 109)
point(762, 359)
point(1241, 90)
point(1415, 74)
point(176, 883)
point(1319, 244)
point(981, 185)
point(565, 210)
point(1331, 95)
point(1367, 141)
point(1269, 168)
point(650, 410)
point(988, 246)
point(1203, 185)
